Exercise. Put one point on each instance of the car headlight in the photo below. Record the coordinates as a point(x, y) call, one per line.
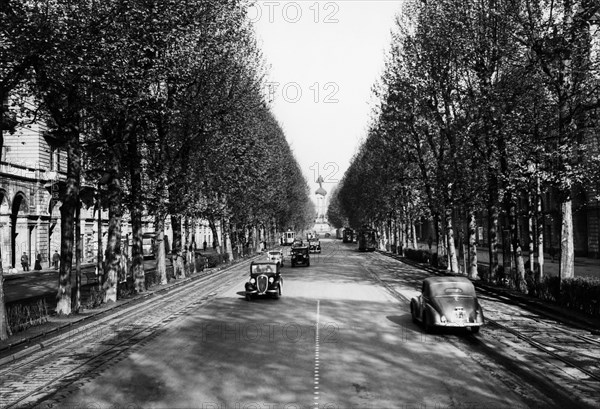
point(443, 319)
point(271, 279)
point(252, 281)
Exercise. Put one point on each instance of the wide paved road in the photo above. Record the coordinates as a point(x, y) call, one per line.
point(336, 339)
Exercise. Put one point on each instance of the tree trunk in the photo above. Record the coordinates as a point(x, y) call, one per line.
point(567, 250)
point(531, 231)
point(113, 245)
point(472, 273)
point(227, 239)
point(452, 259)
point(4, 328)
point(395, 234)
point(190, 247)
point(400, 247)
point(161, 259)
point(437, 223)
point(519, 273)
point(413, 232)
point(78, 252)
point(213, 228)
point(137, 252)
point(100, 260)
point(176, 227)
point(136, 210)
point(493, 223)
point(177, 255)
point(540, 230)
point(67, 212)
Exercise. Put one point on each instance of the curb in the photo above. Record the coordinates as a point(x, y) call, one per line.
point(63, 332)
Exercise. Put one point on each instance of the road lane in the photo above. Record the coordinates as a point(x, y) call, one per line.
point(231, 353)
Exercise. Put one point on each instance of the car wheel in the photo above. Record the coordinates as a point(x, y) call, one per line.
point(278, 293)
point(308, 263)
point(248, 297)
point(475, 330)
point(293, 264)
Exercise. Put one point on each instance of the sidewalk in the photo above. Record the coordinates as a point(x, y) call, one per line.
point(24, 341)
point(584, 266)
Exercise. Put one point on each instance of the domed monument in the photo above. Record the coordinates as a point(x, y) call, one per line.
point(321, 224)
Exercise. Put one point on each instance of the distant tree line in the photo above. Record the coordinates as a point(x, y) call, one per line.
point(483, 108)
point(161, 105)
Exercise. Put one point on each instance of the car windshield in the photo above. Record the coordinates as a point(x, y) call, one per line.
point(262, 269)
point(451, 289)
point(274, 253)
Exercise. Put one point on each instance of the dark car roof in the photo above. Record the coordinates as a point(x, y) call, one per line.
point(300, 248)
point(269, 263)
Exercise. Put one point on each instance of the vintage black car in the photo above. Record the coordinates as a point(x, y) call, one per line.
point(447, 302)
point(300, 255)
point(314, 245)
point(265, 279)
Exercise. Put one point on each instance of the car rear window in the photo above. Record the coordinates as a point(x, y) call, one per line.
point(452, 289)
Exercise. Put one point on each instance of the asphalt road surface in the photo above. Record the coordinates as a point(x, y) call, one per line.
point(338, 338)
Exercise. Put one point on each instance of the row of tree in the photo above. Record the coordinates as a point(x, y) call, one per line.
point(482, 104)
point(160, 104)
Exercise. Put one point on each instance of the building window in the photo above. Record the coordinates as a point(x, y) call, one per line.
point(55, 159)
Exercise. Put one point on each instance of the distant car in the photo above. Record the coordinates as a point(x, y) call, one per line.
point(276, 256)
point(297, 243)
point(265, 279)
point(447, 302)
point(300, 255)
point(314, 246)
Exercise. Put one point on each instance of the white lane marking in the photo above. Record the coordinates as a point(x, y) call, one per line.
point(316, 372)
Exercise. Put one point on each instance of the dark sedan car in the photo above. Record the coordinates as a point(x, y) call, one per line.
point(300, 255)
point(264, 279)
point(447, 302)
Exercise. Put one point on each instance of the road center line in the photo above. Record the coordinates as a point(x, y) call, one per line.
point(316, 371)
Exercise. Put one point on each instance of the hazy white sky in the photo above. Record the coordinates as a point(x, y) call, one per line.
point(325, 56)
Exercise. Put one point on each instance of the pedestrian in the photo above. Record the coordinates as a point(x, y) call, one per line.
point(38, 262)
point(25, 262)
point(204, 245)
point(55, 259)
point(214, 244)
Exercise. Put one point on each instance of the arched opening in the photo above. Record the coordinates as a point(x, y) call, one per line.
point(4, 224)
point(19, 233)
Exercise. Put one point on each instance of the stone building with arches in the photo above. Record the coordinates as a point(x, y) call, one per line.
point(32, 166)
point(31, 163)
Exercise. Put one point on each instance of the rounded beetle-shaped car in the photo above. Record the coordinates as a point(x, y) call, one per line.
point(447, 302)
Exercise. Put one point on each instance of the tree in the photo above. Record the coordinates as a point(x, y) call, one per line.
point(559, 38)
